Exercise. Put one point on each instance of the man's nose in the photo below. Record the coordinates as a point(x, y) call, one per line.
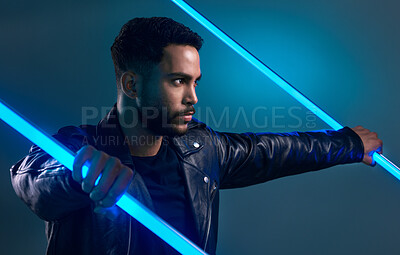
point(190, 95)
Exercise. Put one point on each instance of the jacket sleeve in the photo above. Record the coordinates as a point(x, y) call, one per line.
point(45, 185)
point(251, 158)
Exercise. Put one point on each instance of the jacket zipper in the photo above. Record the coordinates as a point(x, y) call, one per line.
point(213, 192)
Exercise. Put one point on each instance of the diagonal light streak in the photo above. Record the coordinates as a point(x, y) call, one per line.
point(379, 159)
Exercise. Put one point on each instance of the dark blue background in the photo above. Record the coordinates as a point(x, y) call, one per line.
point(55, 63)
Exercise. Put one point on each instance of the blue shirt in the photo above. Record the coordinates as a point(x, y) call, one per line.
point(164, 179)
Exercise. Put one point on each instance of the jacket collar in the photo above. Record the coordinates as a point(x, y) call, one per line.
point(111, 139)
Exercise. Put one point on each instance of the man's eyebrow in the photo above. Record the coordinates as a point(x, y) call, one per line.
point(186, 76)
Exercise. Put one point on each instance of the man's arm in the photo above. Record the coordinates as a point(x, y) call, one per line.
point(247, 159)
point(52, 191)
point(46, 186)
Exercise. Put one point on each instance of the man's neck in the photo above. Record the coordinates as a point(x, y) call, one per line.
point(143, 145)
point(142, 141)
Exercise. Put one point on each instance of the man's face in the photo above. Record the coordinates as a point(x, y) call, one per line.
point(166, 102)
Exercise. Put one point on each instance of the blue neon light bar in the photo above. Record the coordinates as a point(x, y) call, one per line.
point(127, 203)
point(380, 159)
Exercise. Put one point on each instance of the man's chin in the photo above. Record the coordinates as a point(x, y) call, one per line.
point(178, 130)
point(173, 130)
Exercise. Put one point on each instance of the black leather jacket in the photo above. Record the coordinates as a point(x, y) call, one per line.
point(210, 161)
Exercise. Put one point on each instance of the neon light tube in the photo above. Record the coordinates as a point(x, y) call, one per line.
point(379, 159)
point(127, 203)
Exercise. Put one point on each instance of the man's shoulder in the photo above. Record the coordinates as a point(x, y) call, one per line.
point(76, 136)
point(198, 128)
point(82, 130)
point(195, 123)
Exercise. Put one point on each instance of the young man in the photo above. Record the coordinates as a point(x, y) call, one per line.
point(150, 146)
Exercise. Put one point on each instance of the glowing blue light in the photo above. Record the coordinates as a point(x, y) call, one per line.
point(85, 170)
point(127, 202)
point(387, 164)
point(381, 160)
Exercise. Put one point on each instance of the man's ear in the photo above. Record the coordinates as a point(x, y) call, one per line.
point(128, 84)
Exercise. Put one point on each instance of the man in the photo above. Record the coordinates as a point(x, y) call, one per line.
point(150, 146)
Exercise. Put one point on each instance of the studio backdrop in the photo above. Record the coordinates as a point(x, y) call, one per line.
point(56, 69)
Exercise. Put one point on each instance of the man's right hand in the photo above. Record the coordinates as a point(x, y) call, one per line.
point(371, 144)
point(114, 181)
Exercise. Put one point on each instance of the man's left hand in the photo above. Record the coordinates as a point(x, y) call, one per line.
point(371, 144)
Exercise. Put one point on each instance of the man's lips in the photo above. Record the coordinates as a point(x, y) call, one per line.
point(187, 116)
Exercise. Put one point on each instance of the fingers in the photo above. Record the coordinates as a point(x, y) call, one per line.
point(114, 176)
point(118, 188)
point(368, 160)
point(97, 163)
point(371, 144)
point(83, 155)
point(114, 180)
point(106, 180)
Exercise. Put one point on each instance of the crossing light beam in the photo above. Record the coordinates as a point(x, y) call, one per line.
point(278, 80)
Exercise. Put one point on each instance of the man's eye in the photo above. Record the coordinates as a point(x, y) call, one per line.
point(179, 81)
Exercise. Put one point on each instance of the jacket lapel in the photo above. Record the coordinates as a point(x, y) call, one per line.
point(196, 181)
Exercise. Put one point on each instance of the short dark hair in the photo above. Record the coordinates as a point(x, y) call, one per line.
point(140, 43)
